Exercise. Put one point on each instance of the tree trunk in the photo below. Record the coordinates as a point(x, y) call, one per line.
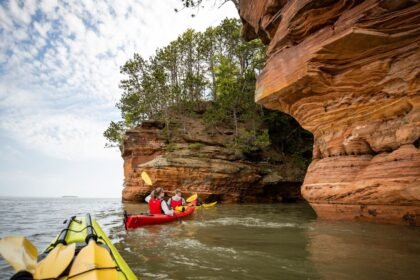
point(213, 78)
point(235, 121)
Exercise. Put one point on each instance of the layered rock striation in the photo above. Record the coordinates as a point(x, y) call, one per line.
point(348, 71)
point(197, 160)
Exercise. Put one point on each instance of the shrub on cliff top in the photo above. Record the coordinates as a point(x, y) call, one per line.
point(251, 141)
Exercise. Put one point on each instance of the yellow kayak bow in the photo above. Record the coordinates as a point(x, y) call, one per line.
point(96, 256)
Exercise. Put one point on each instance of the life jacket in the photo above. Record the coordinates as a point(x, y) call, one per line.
point(154, 206)
point(175, 203)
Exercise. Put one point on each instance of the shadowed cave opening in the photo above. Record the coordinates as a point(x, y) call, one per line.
point(291, 147)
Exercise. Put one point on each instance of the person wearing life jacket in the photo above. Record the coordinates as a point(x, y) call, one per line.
point(176, 200)
point(157, 205)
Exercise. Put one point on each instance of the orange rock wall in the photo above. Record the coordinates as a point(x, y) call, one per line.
point(348, 71)
point(139, 148)
point(196, 161)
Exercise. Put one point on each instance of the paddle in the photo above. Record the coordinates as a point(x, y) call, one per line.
point(192, 198)
point(59, 258)
point(56, 262)
point(19, 252)
point(93, 261)
point(146, 178)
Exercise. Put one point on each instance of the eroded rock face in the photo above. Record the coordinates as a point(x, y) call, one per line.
point(348, 71)
point(196, 161)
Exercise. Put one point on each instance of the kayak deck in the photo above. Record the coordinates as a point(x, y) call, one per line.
point(77, 234)
point(135, 221)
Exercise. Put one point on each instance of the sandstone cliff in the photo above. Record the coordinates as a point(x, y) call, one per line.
point(348, 71)
point(197, 160)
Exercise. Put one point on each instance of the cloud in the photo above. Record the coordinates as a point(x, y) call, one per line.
point(59, 75)
point(22, 11)
point(9, 153)
point(48, 6)
point(74, 25)
point(63, 131)
point(59, 65)
point(42, 28)
point(5, 20)
point(60, 136)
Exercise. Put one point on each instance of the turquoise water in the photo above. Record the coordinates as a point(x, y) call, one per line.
point(249, 241)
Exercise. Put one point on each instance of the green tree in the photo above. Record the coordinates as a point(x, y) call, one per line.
point(215, 65)
point(208, 46)
point(115, 134)
point(235, 67)
point(196, 4)
point(135, 104)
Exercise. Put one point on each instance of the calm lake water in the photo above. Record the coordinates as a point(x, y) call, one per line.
point(249, 241)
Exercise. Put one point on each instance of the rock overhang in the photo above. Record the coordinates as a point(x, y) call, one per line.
point(348, 71)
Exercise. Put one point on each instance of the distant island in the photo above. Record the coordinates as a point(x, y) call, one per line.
point(69, 196)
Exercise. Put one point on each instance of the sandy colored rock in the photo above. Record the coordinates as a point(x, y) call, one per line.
point(196, 161)
point(348, 71)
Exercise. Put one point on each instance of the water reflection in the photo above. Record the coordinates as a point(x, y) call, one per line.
point(346, 250)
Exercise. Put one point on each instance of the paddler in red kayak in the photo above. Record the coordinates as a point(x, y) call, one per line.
point(157, 205)
point(176, 200)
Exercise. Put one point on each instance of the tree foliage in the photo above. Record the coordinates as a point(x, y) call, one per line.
point(197, 4)
point(214, 66)
point(114, 133)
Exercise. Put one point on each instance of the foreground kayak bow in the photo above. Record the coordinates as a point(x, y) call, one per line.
point(81, 251)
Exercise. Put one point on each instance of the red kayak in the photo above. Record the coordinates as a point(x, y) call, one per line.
point(135, 221)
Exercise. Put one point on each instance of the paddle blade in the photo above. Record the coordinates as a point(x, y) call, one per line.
point(93, 262)
point(146, 178)
point(56, 262)
point(192, 198)
point(19, 252)
point(209, 205)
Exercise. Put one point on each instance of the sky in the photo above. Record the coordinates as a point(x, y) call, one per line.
point(59, 75)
